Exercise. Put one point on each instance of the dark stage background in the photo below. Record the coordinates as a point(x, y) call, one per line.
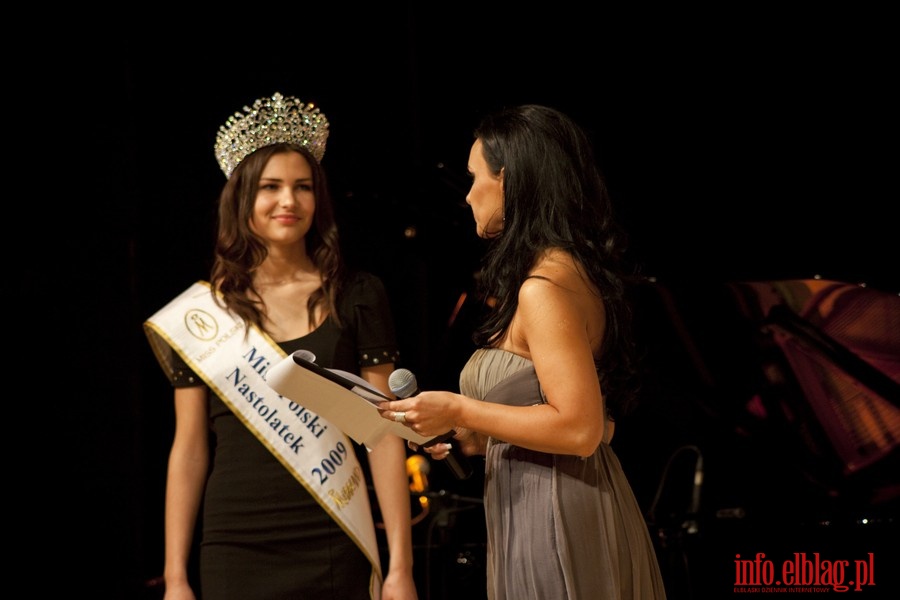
point(738, 148)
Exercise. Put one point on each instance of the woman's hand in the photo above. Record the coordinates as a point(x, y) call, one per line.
point(429, 414)
point(469, 442)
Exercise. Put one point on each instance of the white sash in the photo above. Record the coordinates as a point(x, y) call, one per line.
point(211, 341)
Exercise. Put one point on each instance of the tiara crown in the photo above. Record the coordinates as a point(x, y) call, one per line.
point(279, 119)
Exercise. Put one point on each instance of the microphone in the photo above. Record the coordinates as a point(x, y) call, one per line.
point(403, 384)
point(417, 468)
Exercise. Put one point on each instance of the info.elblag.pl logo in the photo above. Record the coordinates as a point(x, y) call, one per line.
point(803, 573)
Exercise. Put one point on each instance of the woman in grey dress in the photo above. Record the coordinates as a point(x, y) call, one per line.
point(552, 372)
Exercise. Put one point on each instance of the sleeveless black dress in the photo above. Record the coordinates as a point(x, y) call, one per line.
point(263, 536)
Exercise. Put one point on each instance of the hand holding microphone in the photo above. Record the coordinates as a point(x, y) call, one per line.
point(403, 384)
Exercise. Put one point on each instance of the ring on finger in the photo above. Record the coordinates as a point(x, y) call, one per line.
point(400, 417)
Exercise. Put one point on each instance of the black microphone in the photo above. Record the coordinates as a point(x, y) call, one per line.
point(403, 384)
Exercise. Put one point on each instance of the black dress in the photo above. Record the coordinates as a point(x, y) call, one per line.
point(263, 535)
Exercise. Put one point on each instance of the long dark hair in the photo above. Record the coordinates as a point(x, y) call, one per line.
point(239, 251)
point(554, 196)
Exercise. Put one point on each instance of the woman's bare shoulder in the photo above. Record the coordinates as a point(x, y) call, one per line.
point(560, 268)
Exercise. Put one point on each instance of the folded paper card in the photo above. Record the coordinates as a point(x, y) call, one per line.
point(346, 400)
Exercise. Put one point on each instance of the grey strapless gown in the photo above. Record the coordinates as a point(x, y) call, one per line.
point(559, 526)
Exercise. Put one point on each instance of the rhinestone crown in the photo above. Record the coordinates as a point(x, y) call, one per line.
point(270, 121)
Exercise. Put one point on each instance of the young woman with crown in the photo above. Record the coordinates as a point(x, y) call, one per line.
point(279, 495)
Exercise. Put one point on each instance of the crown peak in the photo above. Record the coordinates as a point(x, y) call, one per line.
point(271, 120)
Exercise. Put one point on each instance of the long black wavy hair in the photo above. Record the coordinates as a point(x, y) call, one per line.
point(554, 196)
